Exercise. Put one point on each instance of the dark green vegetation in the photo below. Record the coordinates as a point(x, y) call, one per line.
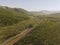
point(47, 33)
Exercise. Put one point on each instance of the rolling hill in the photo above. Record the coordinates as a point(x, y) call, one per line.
point(9, 16)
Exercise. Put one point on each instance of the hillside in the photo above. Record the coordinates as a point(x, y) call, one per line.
point(9, 16)
point(13, 22)
point(47, 33)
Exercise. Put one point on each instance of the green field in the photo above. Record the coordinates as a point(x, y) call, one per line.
point(47, 33)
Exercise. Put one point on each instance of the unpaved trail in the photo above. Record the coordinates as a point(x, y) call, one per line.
point(18, 37)
point(14, 39)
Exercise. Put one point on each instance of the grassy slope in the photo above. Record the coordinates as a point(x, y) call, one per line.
point(11, 22)
point(47, 33)
point(10, 16)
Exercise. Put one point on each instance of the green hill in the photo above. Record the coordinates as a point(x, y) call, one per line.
point(9, 16)
point(13, 22)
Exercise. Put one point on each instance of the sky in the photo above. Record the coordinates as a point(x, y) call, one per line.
point(33, 5)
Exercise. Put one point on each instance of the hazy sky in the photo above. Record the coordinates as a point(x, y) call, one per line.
point(33, 5)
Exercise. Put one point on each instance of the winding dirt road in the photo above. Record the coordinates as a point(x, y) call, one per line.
point(18, 37)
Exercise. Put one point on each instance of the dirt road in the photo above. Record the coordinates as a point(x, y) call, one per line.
point(18, 37)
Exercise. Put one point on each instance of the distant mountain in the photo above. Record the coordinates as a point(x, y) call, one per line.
point(44, 12)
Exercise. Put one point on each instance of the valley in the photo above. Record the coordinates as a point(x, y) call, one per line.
point(21, 27)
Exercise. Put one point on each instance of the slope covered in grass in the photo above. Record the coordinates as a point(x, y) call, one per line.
point(47, 33)
point(10, 31)
point(9, 17)
point(13, 21)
